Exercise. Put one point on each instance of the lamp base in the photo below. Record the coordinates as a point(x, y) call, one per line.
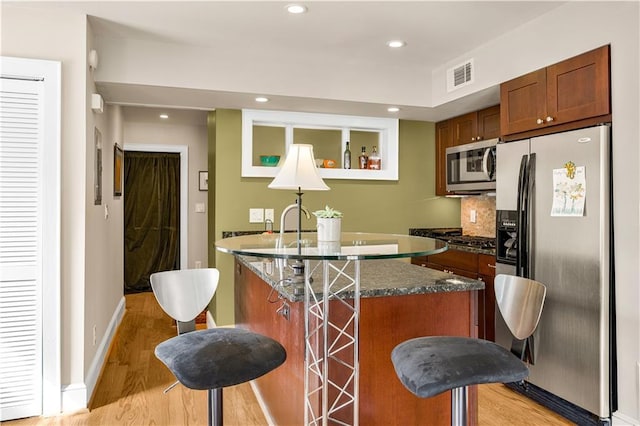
point(297, 279)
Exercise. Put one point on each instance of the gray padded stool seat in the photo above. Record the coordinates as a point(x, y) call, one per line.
point(428, 366)
point(215, 358)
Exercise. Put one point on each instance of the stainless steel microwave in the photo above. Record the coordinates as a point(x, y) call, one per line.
point(472, 167)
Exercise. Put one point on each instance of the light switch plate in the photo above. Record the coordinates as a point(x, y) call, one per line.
point(200, 208)
point(268, 215)
point(256, 215)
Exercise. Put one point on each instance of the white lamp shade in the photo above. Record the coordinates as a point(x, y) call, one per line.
point(299, 171)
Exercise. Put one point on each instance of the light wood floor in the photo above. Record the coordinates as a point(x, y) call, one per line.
point(129, 391)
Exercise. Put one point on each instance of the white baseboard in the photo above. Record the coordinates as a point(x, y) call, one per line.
point(618, 419)
point(101, 354)
point(263, 405)
point(211, 323)
point(74, 397)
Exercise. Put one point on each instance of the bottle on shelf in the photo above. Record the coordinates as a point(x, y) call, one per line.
point(374, 162)
point(363, 158)
point(346, 158)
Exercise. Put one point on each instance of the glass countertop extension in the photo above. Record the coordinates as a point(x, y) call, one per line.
point(352, 246)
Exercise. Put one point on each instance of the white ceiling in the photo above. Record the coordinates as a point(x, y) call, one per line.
point(332, 36)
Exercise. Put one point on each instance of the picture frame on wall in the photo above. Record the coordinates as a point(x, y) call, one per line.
point(118, 162)
point(97, 167)
point(203, 181)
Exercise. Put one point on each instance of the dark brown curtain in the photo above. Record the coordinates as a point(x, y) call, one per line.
point(151, 217)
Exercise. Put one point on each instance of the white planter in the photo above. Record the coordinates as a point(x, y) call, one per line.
point(329, 247)
point(328, 229)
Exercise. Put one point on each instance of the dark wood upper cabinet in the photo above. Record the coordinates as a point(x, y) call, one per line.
point(465, 128)
point(570, 91)
point(579, 87)
point(444, 139)
point(489, 123)
point(523, 102)
point(476, 126)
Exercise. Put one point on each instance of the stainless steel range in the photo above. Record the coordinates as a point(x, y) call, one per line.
point(454, 237)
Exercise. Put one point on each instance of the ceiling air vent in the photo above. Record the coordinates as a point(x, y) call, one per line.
point(460, 75)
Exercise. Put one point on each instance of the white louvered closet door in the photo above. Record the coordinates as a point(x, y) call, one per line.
point(21, 136)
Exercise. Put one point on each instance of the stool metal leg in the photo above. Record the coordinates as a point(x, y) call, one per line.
point(186, 327)
point(215, 407)
point(459, 406)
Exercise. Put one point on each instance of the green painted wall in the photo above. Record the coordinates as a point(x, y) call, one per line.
point(369, 206)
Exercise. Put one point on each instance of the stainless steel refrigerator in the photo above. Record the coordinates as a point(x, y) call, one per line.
point(553, 202)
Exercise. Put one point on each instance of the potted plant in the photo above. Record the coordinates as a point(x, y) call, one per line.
point(328, 224)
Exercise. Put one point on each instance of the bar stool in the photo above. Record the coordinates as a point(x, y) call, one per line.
point(184, 293)
point(428, 366)
point(219, 357)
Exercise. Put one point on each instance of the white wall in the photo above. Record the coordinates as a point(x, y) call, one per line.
point(104, 262)
point(194, 136)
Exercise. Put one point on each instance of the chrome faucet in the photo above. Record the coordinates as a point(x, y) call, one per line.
point(286, 211)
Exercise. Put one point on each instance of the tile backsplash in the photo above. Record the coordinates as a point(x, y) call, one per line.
point(485, 207)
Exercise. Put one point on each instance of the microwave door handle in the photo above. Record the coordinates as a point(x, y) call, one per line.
point(488, 153)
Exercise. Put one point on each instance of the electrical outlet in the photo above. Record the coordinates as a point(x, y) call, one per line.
point(268, 215)
point(284, 310)
point(256, 215)
point(473, 216)
point(94, 335)
point(198, 264)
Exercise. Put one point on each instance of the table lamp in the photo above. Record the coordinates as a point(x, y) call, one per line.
point(299, 172)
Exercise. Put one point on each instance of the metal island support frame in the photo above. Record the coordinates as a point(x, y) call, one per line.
point(332, 307)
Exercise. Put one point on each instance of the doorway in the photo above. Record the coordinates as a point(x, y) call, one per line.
point(151, 217)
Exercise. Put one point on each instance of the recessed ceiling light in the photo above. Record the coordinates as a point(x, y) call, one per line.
point(164, 116)
point(262, 99)
point(393, 109)
point(396, 43)
point(296, 8)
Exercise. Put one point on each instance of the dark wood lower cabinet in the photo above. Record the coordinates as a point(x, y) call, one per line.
point(478, 266)
point(384, 323)
point(486, 273)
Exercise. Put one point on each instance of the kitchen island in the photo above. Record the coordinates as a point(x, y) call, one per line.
point(397, 301)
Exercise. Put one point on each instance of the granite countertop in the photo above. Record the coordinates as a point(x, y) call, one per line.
point(378, 278)
point(441, 234)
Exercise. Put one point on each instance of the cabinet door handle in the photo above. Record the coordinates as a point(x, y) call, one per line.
point(539, 121)
point(473, 139)
point(491, 266)
point(549, 119)
point(478, 138)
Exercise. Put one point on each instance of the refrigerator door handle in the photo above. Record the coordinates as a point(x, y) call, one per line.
point(527, 233)
point(519, 208)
